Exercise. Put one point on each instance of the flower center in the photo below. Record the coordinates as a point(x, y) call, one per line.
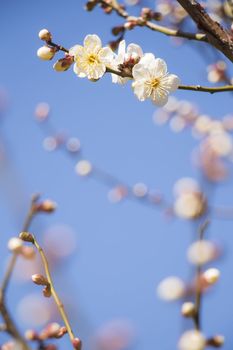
point(92, 59)
point(154, 83)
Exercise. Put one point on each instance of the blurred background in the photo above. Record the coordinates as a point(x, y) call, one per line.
point(108, 248)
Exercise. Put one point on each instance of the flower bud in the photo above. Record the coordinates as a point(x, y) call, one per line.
point(46, 53)
point(15, 245)
point(90, 5)
point(61, 332)
point(217, 341)
point(46, 206)
point(40, 280)
point(47, 291)
point(171, 288)
point(211, 276)
point(31, 335)
point(77, 344)
point(45, 35)
point(27, 237)
point(188, 309)
point(50, 331)
point(63, 64)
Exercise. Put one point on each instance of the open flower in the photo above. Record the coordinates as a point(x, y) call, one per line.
point(152, 80)
point(91, 59)
point(126, 58)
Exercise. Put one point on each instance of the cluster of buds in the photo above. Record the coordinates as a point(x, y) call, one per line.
point(40, 280)
point(52, 330)
point(16, 246)
point(48, 51)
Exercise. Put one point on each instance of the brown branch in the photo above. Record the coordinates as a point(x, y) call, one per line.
point(216, 35)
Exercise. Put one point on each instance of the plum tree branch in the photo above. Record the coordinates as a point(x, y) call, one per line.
point(216, 35)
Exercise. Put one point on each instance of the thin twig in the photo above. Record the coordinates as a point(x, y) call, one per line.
point(53, 291)
point(139, 21)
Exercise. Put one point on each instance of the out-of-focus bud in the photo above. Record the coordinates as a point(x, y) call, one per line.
point(118, 30)
point(83, 168)
point(50, 331)
point(73, 145)
point(27, 237)
point(171, 289)
point(30, 334)
point(77, 344)
point(40, 280)
point(47, 291)
point(50, 347)
point(140, 190)
point(192, 340)
point(11, 345)
point(63, 64)
point(190, 202)
point(202, 252)
point(62, 331)
point(148, 14)
point(211, 276)
point(46, 53)
point(216, 341)
point(15, 245)
point(28, 253)
point(42, 111)
point(47, 206)
point(45, 35)
point(188, 309)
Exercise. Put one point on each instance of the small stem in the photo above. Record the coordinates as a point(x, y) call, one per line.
point(53, 291)
point(198, 295)
point(58, 47)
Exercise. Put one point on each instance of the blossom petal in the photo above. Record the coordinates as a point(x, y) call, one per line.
point(158, 67)
point(140, 72)
point(134, 50)
point(170, 82)
point(79, 72)
point(92, 43)
point(106, 55)
point(138, 87)
point(76, 51)
point(96, 72)
point(159, 97)
point(121, 52)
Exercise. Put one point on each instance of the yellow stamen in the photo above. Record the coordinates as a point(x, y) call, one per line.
point(92, 59)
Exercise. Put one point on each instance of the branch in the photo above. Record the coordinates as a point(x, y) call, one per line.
point(141, 22)
point(10, 326)
point(32, 239)
point(209, 89)
point(216, 35)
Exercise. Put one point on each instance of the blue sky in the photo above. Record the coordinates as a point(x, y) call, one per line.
point(123, 250)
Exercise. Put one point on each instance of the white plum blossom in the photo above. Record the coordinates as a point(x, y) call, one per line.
point(129, 56)
point(91, 59)
point(152, 80)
